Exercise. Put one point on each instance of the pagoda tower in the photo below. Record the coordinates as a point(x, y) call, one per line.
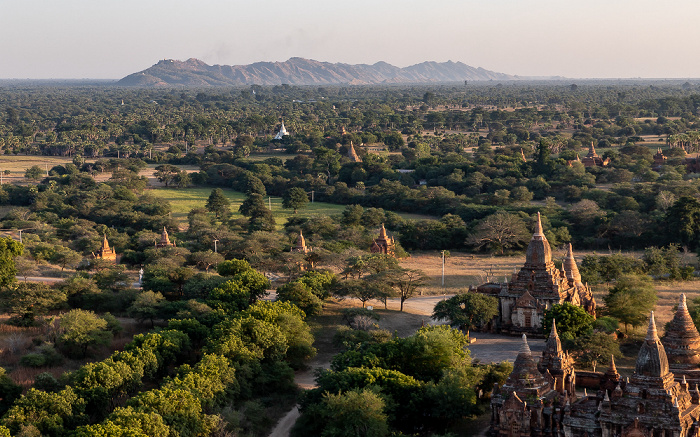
point(300, 245)
point(164, 239)
point(523, 406)
point(652, 403)
point(106, 252)
point(352, 154)
point(558, 363)
point(682, 340)
point(383, 244)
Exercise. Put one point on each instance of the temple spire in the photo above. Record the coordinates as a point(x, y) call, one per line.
point(105, 243)
point(612, 369)
point(652, 335)
point(524, 347)
point(538, 227)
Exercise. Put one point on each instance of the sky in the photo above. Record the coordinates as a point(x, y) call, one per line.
point(109, 39)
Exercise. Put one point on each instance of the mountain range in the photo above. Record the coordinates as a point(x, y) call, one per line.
point(300, 71)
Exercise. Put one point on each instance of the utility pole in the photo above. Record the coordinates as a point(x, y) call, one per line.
point(215, 241)
point(269, 203)
point(312, 196)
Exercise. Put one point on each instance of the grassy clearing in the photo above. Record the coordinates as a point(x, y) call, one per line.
point(183, 200)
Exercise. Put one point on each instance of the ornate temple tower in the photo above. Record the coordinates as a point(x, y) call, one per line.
point(528, 403)
point(537, 286)
point(558, 363)
point(164, 239)
point(106, 252)
point(652, 403)
point(383, 244)
point(682, 341)
point(300, 245)
point(352, 154)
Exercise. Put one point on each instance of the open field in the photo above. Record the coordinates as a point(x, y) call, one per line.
point(183, 200)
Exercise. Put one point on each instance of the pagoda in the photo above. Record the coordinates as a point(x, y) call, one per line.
point(652, 403)
point(164, 239)
point(526, 404)
point(593, 160)
point(300, 245)
point(106, 252)
point(282, 133)
point(354, 157)
point(383, 244)
point(682, 340)
point(537, 286)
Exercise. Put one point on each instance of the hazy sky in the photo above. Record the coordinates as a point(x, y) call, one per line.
point(572, 38)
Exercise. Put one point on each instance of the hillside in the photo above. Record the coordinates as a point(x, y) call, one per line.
point(300, 71)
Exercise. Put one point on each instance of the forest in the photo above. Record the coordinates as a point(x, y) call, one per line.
point(195, 346)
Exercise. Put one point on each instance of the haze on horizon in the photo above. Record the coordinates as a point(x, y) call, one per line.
point(74, 39)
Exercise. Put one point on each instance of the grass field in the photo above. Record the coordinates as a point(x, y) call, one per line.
point(183, 200)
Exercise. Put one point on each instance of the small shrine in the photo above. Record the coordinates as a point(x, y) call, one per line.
point(383, 244)
point(105, 252)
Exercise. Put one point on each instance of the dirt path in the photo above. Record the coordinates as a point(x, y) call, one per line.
point(284, 426)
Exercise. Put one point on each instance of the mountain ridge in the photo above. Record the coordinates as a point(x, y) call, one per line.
point(301, 71)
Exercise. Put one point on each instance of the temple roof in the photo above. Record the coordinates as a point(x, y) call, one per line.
point(572, 273)
point(539, 253)
point(382, 233)
point(525, 373)
point(652, 360)
point(105, 243)
point(164, 238)
point(553, 345)
point(682, 340)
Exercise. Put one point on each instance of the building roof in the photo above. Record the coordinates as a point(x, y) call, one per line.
point(572, 273)
point(652, 360)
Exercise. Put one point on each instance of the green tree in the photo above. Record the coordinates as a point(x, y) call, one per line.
point(166, 173)
point(683, 222)
point(594, 349)
point(499, 231)
point(356, 413)
point(34, 172)
point(572, 321)
point(631, 299)
point(404, 281)
point(9, 249)
point(300, 295)
point(295, 198)
point(82, 329)
point(27, 300)
point(146, 306)
point(218, 203)
point(467, 311)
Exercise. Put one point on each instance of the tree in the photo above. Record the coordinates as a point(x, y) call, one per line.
point(594, 348)
point(166, 173)
point(204, 260)
point(65, 257)
point(404, 281)
point(34, 172)
point(572, 321)
point(356, 413)
point(28, 299)
point(683, 222)
point(301, 296)
point(467, 311)
point(500, 231)
point(295, 198)
point(631, 299)
point(363, 290)
point(146, 306)
point(218, 203)
point(82, 329)
point(9, 249)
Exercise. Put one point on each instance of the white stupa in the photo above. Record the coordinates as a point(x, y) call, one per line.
point(281, 133)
